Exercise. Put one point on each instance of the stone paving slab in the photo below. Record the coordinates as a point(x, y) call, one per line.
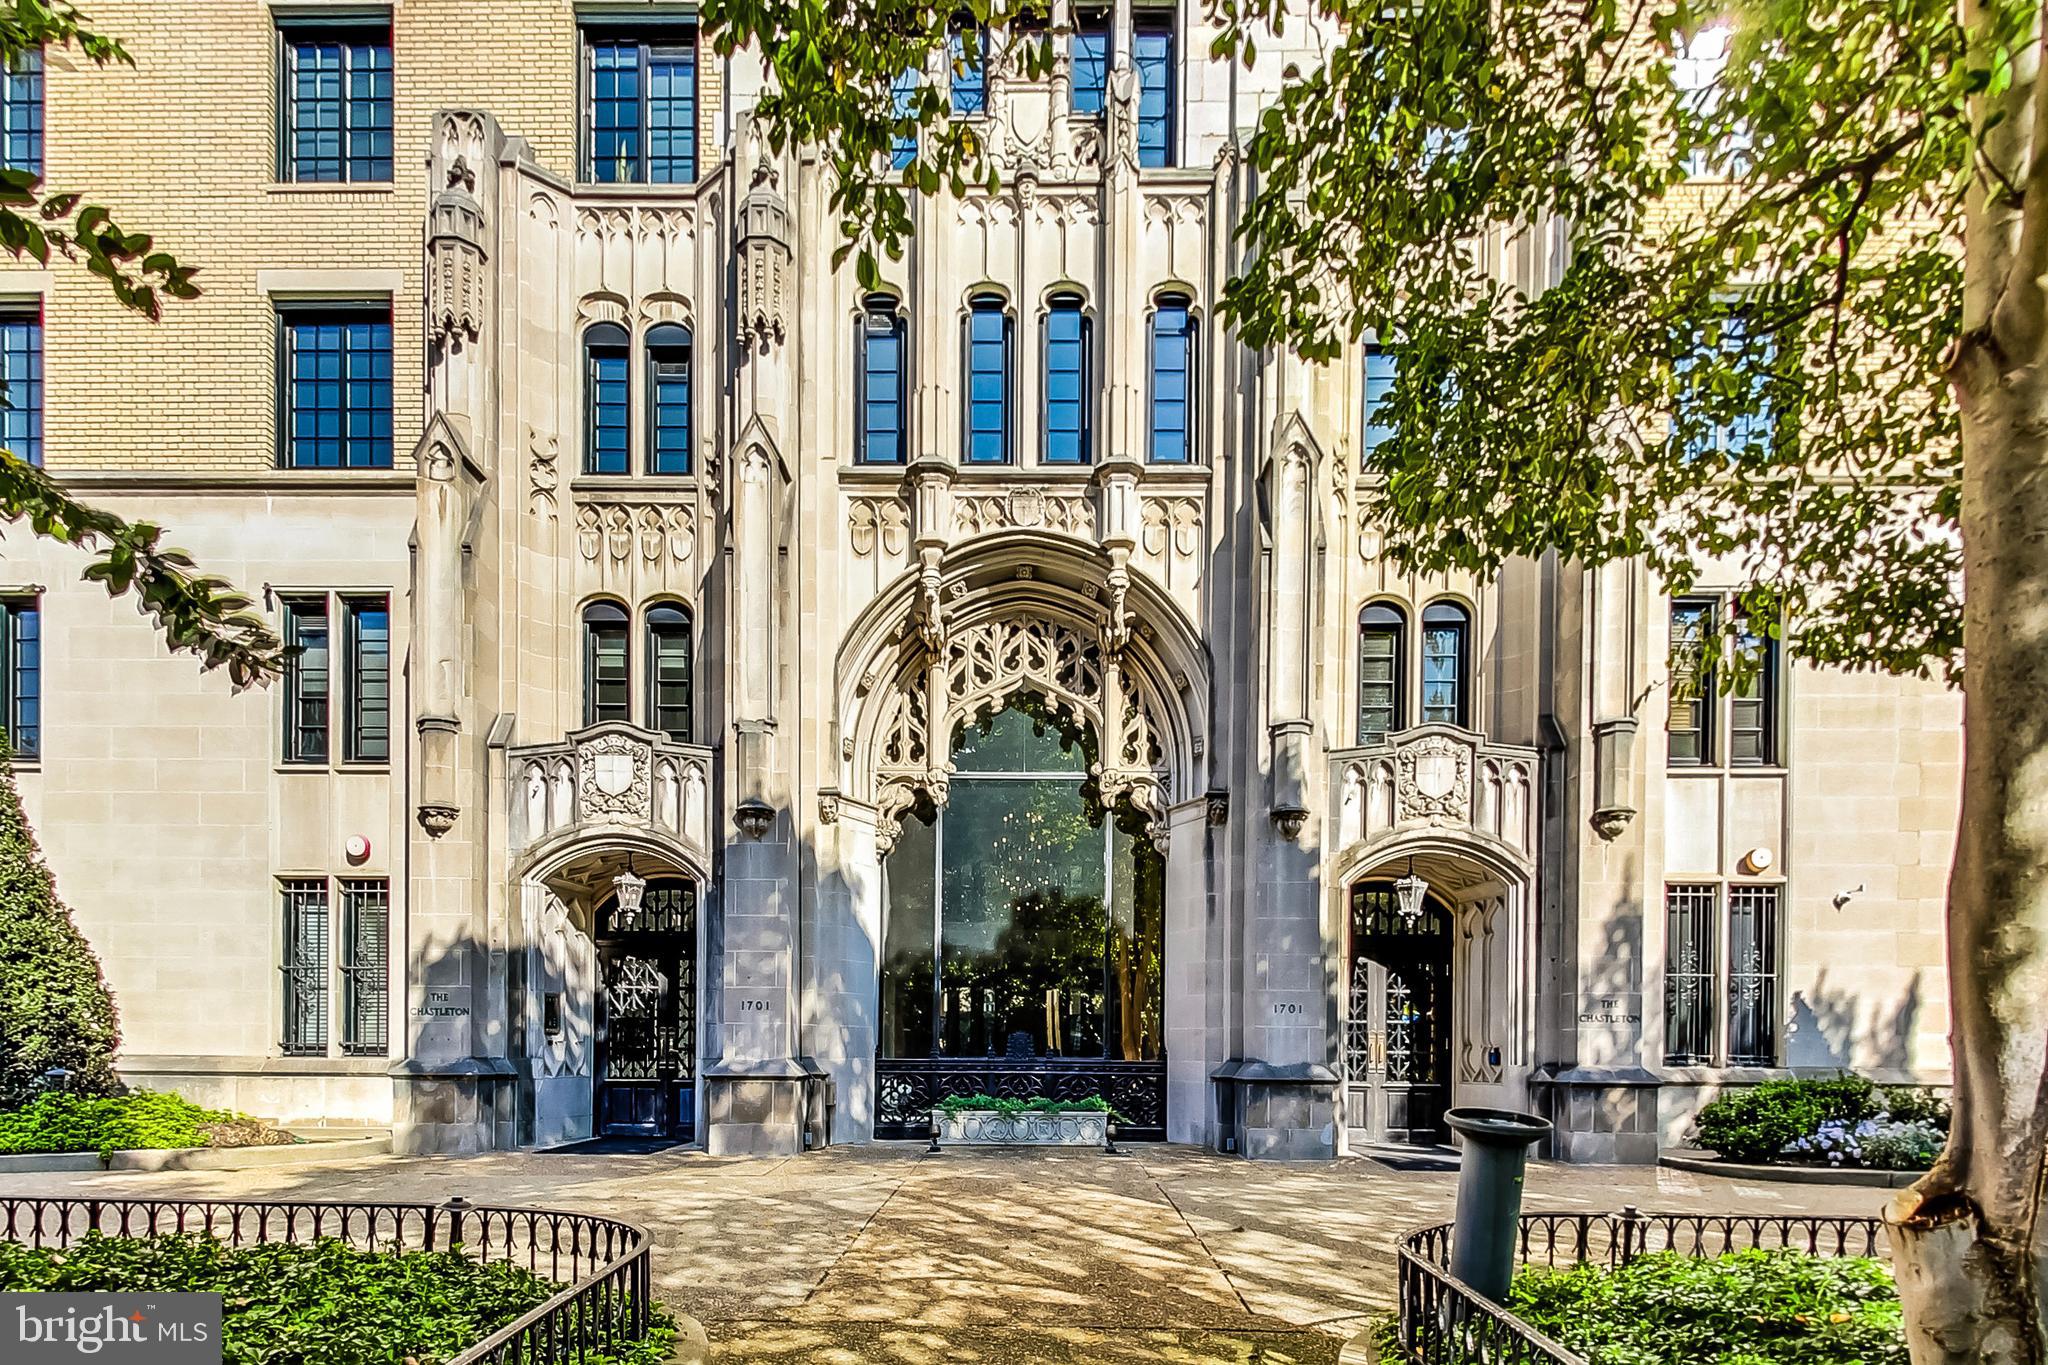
point(884, 1253)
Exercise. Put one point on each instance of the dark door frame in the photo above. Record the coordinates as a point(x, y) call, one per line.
point(1399, 1015)
point(657, 1096)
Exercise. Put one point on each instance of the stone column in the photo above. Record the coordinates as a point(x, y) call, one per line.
point(842, 952)
point(1197, 968)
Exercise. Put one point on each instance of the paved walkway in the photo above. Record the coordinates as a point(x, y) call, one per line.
point(885, 1254)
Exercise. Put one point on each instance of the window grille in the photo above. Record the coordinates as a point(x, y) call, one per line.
point(305, 968)
point(1752, 975)
point(1690, 910)
point(365, 966)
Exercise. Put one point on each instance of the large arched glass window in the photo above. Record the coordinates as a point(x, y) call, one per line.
point(878, 416)
point(1067, 388)
point(668, 399)
point(989, 377)
point(605, 424)
point(668, 671)
point(1446, 664)
point(607, 694)
point(1023, 922)
point(1173, 373)
point(1382, 632)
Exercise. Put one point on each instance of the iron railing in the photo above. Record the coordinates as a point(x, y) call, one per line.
point(1444, 1321)
point(604, 1265)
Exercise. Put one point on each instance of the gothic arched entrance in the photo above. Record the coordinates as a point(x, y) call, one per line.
point(1398, 1031)
point(645, 1074)
point(1023, 933)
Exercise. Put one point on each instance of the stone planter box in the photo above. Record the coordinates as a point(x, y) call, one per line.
point(987, 1128)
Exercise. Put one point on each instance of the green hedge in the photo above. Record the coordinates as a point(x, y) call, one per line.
point(321, 1302)
point(137, 1121)
point(1756, 1123)
point(1746, 1308)
point(954, 1105)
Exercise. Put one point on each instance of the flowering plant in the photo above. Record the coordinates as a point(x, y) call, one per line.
point(1880, 1143)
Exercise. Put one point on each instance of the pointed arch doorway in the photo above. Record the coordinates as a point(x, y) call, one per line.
point(1023, 935)
point(1398, 1018)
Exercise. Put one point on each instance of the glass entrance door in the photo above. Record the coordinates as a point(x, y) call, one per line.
point(1024, 937)
point(1397, 1038)
point(647, 1013)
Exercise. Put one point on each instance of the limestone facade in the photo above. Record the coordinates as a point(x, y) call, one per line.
point(1198, 622)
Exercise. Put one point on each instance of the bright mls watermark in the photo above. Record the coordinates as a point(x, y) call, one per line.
point(116, 1329)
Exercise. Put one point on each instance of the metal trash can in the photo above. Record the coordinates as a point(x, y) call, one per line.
point(1490, 1172)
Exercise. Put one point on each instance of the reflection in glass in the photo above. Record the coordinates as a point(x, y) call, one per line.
point(1023, 919)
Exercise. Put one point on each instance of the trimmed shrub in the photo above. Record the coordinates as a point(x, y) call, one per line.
point(1745, 1308)
point(1757, 1124)
point(55, 1010)
point(138, 1121)
point(1912, 1104)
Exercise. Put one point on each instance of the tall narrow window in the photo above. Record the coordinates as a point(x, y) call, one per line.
point(968, 52)
point(1380, 632)
point(641, 116)
point(21, 634)
point(668, 399)
point(879, 337)
point(605, 421)
point(21, 374)
point(365, 973)
point(1446, 665)
point(1067, 388)
point(1753, 705)
point(337, 387)
point(1152, 54)
point(903, 105)
point(1752, 975)
point(1173, 372)
point(1690, 727)
point(1690, 912)
point(606, 694)
point(988, 380)
point(336, 120)
point(21, 113)
point(1379, 379)
point(304, 967)
point(1089, 54)
point(306, 680)
point(368, 666)
point(668, 672)
point(1723, 400)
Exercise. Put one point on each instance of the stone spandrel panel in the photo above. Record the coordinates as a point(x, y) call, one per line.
point(877, 546)
point(637, 548)
point(1173, 545)
point(638, 253)
point(1176, 241)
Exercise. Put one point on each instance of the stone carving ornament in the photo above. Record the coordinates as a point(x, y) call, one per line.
point(612, 779)
point(1435, 780)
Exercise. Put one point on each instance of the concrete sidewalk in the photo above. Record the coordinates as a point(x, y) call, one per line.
point(886, 1254)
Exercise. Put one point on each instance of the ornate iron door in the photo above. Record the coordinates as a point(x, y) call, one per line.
point(1397, 1038)
point(646, 1016)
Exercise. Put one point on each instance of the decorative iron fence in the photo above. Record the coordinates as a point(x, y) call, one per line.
point(1444, 1321)
point(604, 1265)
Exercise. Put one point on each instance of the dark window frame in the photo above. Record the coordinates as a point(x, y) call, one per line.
point(1443, 615)
point(670, 344)
point(23, 91)
point(653, 41)
point(365, 966)
point(359, 114)
point(1367, 439)
point(606, 343)
point(1149, 22)
point(363, 739)
point(881, 315)
point(303, 965)
point(958, 85)
point(1753, 708)
point(21, 394)
point(665, 621)
point(982, 305)
point(602, 617)
point(1191, 335)
point(1755, 920)
point(1068, 303)
point(375, 444)
point(1088, 96)
point(1703, 685)
point(299, 702)
point(1692, 972)
point(21, 674)
point(1383, 620)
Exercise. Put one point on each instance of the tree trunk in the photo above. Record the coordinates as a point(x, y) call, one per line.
point(1969, 1241)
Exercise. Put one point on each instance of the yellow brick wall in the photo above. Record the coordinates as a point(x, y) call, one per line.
point(184, 145)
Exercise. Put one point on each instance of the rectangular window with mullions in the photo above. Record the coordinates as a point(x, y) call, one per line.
point(1689, 725)
point(304, 967)
point(879, 419)
point(306, 680)
point(640, 111)
point(1067, 388)
point(365, 966)
point(336, 377)
point(988, 381)
point(1753, 704)
point(21, 113)
point(1691, 966)
point(1752, 975)
point(336, 87)
point(368, 668)
point(21, 674)
point(1152, 54)
point(21, 381)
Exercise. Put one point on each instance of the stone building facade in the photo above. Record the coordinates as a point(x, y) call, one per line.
point(745, 707)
